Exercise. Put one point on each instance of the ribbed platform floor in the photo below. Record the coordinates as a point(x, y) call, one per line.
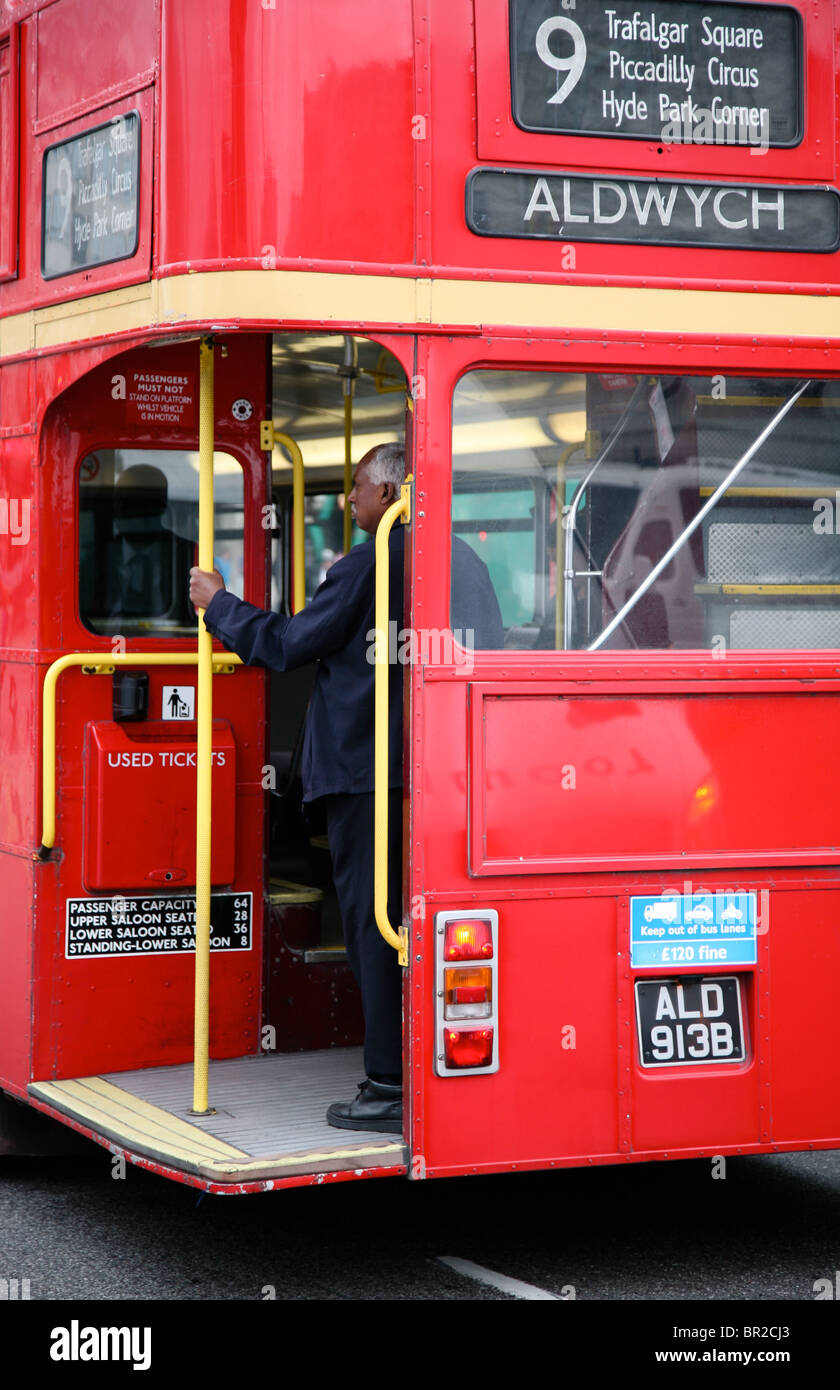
point(269, 1121)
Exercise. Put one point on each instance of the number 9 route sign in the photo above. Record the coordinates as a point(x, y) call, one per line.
point(671, 70)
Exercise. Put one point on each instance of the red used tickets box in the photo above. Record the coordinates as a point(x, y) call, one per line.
point(140, 799)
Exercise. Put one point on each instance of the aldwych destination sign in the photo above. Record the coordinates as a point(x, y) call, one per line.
point(654, 212)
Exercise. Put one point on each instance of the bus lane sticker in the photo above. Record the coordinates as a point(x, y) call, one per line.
point(696, 929)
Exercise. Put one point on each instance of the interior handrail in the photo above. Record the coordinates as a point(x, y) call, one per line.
point(401, 508)
point(298, 528)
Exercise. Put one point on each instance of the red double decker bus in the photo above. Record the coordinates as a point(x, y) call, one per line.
point(584, 260)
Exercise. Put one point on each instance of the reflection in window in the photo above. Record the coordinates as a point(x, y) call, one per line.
point(138, 538)
point(573, 488)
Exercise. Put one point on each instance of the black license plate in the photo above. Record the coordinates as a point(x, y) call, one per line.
point(693, 1021)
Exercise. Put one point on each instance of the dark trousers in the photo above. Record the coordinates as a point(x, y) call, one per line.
point(373, 962)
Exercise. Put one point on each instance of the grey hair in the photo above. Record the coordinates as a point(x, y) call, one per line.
point(388, 465)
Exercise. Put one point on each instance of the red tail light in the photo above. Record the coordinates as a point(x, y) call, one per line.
point(466, 992)
point(470, 939)
point(468, 1047)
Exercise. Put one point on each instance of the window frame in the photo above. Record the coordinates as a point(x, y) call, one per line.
point(152, 636)
point(539, 361)
point(9, 151)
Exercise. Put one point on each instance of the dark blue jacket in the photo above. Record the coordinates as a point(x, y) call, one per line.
point(334, 629)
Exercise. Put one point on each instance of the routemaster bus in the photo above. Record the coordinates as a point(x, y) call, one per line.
point(582, 257)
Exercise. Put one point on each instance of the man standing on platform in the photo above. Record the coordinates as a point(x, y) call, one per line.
point(338, 755)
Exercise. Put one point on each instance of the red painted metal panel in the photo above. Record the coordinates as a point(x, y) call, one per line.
point(119, 1012)
point(649, 778)
point(555, 1091)
point(18, 877)
point(110, 52)
point(140, 805)
point(305, 149)
point(19, 692)
point(800, 1023)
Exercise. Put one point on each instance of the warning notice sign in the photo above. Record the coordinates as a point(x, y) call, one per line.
point(156, 926)
point(161, 398)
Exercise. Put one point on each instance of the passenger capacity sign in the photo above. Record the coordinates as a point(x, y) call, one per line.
point(139, 925)
point(91, 198)
point(696, 929)
point(652, 212)
point(673, 70)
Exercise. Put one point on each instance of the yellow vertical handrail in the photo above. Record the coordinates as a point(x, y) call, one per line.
point(401, 508)
point(298, 527)
point(204, 741)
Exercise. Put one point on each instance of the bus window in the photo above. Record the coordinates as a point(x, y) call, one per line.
point(138, 533)
point(620, 472)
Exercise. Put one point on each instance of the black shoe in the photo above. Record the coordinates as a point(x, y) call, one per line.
point(376, 1107)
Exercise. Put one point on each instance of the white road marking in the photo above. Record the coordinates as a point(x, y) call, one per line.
point(515, 1287)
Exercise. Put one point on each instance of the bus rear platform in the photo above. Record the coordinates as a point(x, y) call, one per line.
point(267, 1127)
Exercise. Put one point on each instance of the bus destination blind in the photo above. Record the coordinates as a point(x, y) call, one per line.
point(91, 193)
point(675, 70)
point(652, 212)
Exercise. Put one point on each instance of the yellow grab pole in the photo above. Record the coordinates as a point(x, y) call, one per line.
point(204, 745)
point(348, 470)
point(298, 530)
point(401, 508)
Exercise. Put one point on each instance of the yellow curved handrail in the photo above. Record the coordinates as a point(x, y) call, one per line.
point(399, 940)
point(100, 664)
point(299, 568)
